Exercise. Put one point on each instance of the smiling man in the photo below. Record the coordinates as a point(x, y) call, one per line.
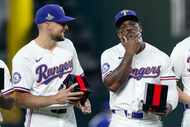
point(41, 66)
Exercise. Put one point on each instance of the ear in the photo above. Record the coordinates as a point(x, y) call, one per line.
point(119, 35)
point(66, 27)
point(140, 28)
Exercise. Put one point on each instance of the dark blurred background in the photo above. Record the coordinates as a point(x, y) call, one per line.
point(165, 22)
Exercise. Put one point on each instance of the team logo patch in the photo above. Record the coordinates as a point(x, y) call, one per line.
point(49, 17)
point(105, 67)
point(16, 77)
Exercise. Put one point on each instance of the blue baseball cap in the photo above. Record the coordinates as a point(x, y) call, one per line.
point(124, 15)
point(52, 13)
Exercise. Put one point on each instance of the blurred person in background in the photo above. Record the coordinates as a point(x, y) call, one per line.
point(41, 66)
point(127, 67)
point(180, 58)
point(6, 101)
point(103, 118)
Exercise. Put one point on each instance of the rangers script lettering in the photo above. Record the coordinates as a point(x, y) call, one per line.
point(45, 74)
point(145, 72)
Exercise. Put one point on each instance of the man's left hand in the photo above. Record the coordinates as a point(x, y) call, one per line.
point(166, 112)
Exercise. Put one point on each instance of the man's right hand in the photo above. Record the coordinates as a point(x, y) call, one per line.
point(67, 96)
point(131, 43)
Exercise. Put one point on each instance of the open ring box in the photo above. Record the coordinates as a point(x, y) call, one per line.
point(82, 85)
point(155, 98)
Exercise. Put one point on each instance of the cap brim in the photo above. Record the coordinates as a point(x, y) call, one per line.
point(125, 18)
point(66, 19)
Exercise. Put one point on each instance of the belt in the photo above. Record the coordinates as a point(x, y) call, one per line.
point(187, 106)
point(133, 115)
point(59, 111)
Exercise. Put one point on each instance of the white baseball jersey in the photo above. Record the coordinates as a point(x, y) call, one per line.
point(7, 79)
point(180, 58)
point(149, 66)
point(41, 72)
point(7, 83)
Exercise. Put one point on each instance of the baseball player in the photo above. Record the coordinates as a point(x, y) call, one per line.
point(6, 102)
point(127, 67)
point(39, 69)
point(180, 58)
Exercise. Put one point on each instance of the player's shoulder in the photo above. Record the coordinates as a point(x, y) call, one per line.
point(25, 51)
point(67, 43)
point(183, 45)
point(185, 41)
point(112, 50)
point(2, 64)
point(156, 51)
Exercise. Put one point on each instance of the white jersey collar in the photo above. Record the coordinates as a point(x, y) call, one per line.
point(122, 49)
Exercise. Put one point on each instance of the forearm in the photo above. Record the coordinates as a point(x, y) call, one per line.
point(28, 100)
point(120, 75)
point(172, 96)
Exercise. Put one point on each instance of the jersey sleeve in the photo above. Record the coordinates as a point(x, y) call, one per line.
point(22, 74)
point(8, 88)
point(177, 60)
point(167, 77)
point(77, 69)
point(108, 64)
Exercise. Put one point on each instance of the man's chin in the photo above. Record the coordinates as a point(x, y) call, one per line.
point(60, 39)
